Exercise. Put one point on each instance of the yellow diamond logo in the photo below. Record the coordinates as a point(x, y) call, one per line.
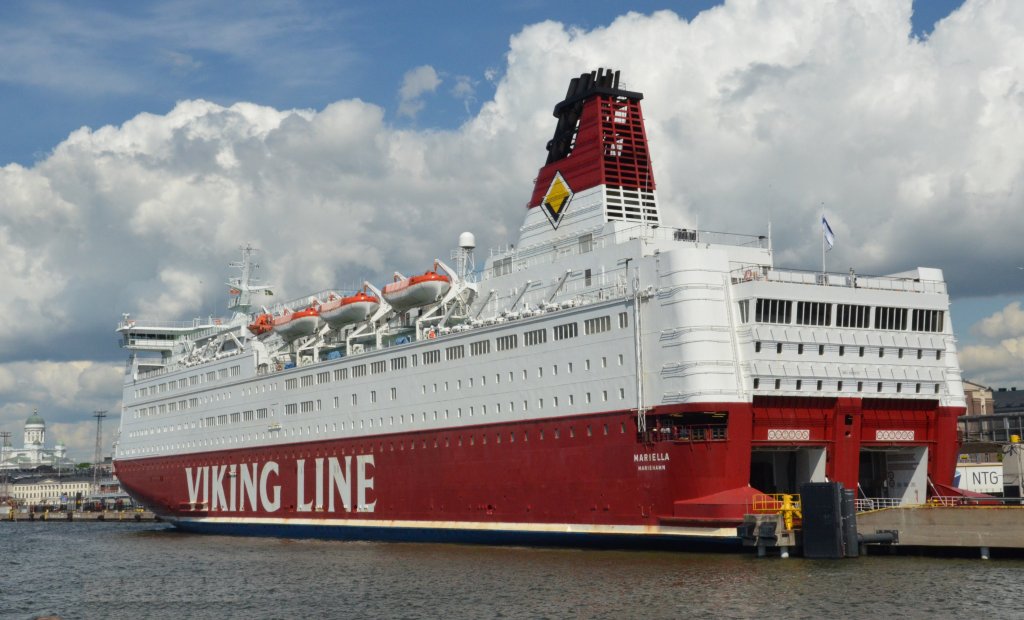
point(557, 199)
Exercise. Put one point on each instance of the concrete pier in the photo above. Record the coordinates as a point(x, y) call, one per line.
point(980, 527)
point(132, 516)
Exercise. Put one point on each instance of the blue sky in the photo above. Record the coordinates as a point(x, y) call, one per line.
point(207, 125)
point(65, 65)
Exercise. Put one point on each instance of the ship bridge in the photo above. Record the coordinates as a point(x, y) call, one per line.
point(163, 336)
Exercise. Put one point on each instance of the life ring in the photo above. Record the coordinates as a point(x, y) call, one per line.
point(748, 275)
point(431, 334)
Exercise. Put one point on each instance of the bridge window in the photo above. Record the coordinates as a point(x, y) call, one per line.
point(927, 320)
point(535, 337)
point(890, 318)
point(773, 311)
point(813, 313)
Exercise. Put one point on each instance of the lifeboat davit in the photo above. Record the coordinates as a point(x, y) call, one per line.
point(290, 325)
point(416, 291)
point(262, 325)
point(341, 311)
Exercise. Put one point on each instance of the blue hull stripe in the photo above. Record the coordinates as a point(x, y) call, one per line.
point(468, 536)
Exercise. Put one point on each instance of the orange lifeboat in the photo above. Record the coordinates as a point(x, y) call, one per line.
point(341, 311)
point(405, 293)
point(262, 325)
point(291, 325)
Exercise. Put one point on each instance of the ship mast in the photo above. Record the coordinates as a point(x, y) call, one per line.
point(242, 287)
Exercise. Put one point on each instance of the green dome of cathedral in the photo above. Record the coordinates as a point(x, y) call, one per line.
point(35, 419)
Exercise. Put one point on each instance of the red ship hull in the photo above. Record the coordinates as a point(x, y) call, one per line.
point(560, 479)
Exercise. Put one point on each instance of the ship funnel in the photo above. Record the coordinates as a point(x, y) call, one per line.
point(599, 142)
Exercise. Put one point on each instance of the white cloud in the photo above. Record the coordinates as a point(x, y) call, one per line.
point(416, 83)
point(999, 359)
point(998, 364)
point(1007, 322)
point(180, 62)
point(65, 394)
point(465, 91)
point(757, 111)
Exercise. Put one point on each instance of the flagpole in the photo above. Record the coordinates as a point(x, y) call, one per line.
point(823, 240)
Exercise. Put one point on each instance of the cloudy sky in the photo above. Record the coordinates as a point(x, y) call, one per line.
point(144, 142)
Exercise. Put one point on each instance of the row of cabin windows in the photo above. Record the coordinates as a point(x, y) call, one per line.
point(393, 391)
point(180, 405)
point(470, 382)
point(820, 385)
point(861, 351)
point(592, 326)
point(444, 387)
point(816, 313)
point(459, 440)
point(314, 406)
point(311, 406)
point(184, 382)
point(239, 416)
point(249, 415)
point(555, 401)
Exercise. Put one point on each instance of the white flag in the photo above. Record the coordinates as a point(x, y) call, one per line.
point(830, 238)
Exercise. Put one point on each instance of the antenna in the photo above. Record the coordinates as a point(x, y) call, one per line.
point(5, 442)
point(465, 264)
point(98, 455)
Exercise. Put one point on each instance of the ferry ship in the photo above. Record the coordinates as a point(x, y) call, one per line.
point(608, 379)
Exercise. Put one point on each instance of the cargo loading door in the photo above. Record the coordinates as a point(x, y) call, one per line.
point(783, 470)
point(897, 473)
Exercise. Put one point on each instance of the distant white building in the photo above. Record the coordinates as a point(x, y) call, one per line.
point(34, 454)
point(50, 491)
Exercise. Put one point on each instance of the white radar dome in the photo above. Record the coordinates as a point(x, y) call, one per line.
point(467, 241)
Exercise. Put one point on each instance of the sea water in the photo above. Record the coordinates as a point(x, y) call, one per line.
point(146, 570)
